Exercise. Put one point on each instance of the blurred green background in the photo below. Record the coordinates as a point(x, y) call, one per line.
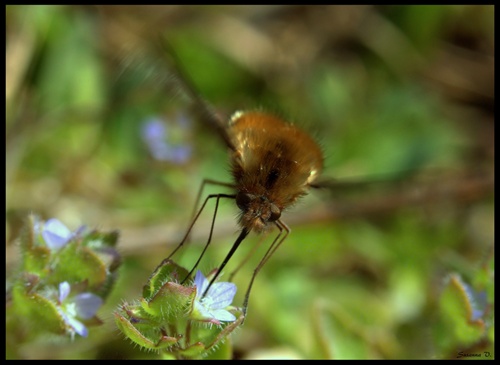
point(384, 89)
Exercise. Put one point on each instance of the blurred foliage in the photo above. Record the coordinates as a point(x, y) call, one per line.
point(384, 89)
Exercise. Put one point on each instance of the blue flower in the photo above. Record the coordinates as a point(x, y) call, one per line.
point(156, 136)
point(83, 306)
point(213, 307)
point(56, 234)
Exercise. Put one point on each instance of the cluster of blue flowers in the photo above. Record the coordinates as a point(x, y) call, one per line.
point(159, 141)
point(64, 278)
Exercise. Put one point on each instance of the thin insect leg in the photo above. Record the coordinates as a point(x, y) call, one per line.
point(274, 246)
point(200, 191)
point(191, 226)
point(247, 257)
point(241, 237)
point(210, 234)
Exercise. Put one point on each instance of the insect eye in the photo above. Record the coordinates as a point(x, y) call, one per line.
point(243, 200)
point(275, 213)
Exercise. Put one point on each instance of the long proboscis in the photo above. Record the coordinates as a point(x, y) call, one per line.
point(243, 234)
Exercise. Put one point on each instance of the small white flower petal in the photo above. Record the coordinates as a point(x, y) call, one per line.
point(75, 324)
point(78, 326)
point(201, 283)
point(87, 305)
point(201, 310)
point(222, 294)
point(64, 289)
point(223, 315)
point(212, 307)
point(55, 234)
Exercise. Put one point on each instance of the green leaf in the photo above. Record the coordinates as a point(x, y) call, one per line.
point(34, 257)
point(228, 329)
point(96, 239)
point(167, 271)
point(193, 351)
point(39, 313)
point(456, 309)
point(171, 302)
point(150, 337)
point(36, 260)
point(76, 263)
point(224, 351)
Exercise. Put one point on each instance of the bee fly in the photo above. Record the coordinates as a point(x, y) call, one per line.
point(273, 164)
